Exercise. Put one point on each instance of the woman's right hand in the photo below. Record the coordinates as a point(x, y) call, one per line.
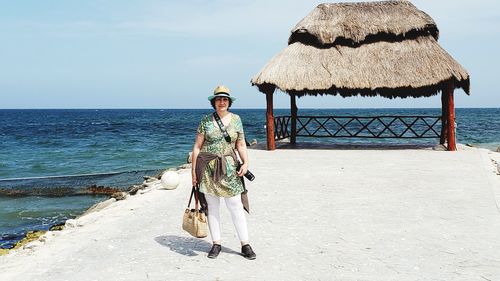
point(200, 138)
point(193, 179)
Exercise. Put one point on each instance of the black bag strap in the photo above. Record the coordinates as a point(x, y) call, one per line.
point(193, 192)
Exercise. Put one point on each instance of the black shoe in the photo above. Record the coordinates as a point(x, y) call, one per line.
point(248, 253)
point(214, 252)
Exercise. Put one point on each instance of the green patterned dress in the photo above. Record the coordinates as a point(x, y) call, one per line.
point(231, 184)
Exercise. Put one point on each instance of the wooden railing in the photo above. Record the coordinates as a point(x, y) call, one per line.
point(281, 127)
point(359, 127)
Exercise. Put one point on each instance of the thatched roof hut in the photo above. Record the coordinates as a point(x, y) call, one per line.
point(375, 48)
point(386, 48)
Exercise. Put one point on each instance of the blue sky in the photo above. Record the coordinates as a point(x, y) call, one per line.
point(171, 54)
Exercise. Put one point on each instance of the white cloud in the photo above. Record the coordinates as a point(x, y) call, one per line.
point(259, 19)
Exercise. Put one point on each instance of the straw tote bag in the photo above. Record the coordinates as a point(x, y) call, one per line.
point(194, 221)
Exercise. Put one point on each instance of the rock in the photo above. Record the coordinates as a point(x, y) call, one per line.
point(184, 166)
point(32, 245)
point(142, 191)
point(150, 179)
point(119, 195)
point(133, 189)
point(498, 149)
point(43, 238)
point(253, 142)
point(158, 176)
point(470, 145)
point(151, 183)
point(189, 158)
point(30, 236)
point(100, 190)
point(57, 227)
point(72, 223)
point(97, 207)
point(156, 186)
point(39, 191)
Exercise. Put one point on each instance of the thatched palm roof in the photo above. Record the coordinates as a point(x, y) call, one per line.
point(376, 48)
point(356, 22)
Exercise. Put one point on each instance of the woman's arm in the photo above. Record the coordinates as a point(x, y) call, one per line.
point(200, 138)
point(241, 146)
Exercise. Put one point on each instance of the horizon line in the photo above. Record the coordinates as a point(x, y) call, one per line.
point(244, 108)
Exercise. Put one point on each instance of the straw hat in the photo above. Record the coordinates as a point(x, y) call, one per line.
point(221, 91)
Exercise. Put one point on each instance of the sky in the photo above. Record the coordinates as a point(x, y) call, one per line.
point(172, 54)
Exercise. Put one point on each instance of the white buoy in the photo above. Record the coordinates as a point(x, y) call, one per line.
point(170, 180)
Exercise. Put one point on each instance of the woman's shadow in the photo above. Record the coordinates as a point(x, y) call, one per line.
point(188, 246)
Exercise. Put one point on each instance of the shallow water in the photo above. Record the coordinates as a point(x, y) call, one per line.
point(20, 214)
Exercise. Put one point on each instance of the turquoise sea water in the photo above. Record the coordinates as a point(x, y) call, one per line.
point(48, 156)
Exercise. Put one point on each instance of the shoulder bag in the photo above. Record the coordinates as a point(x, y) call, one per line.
point(194, 220)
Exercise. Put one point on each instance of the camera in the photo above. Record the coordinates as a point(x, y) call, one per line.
point(248, 174)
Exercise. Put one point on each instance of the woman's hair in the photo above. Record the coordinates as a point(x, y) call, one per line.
point(212, 102)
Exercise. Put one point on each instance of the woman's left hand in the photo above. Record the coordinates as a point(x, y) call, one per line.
point(243, 170)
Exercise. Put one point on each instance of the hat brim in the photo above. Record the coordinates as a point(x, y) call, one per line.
point(210, 98)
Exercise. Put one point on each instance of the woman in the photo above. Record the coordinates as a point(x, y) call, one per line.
point(216, 162)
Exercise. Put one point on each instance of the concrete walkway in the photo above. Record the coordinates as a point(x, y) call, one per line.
point(317, 214)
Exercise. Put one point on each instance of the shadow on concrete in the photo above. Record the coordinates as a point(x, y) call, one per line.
point(188, 246)
point(348, 146)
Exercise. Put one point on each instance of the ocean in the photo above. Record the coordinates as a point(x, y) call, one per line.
point(48, 157)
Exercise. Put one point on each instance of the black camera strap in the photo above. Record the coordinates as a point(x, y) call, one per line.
point(226, 135)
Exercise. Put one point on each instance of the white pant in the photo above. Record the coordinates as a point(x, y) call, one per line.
point(235, 207)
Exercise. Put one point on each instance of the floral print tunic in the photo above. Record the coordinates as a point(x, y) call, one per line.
point(231, 184)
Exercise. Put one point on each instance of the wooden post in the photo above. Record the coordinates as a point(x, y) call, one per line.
point(270, 120)
point(293, 113)
point(444, 116)
point(452, 145)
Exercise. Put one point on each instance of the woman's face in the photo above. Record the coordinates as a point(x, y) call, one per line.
point(221, 103)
